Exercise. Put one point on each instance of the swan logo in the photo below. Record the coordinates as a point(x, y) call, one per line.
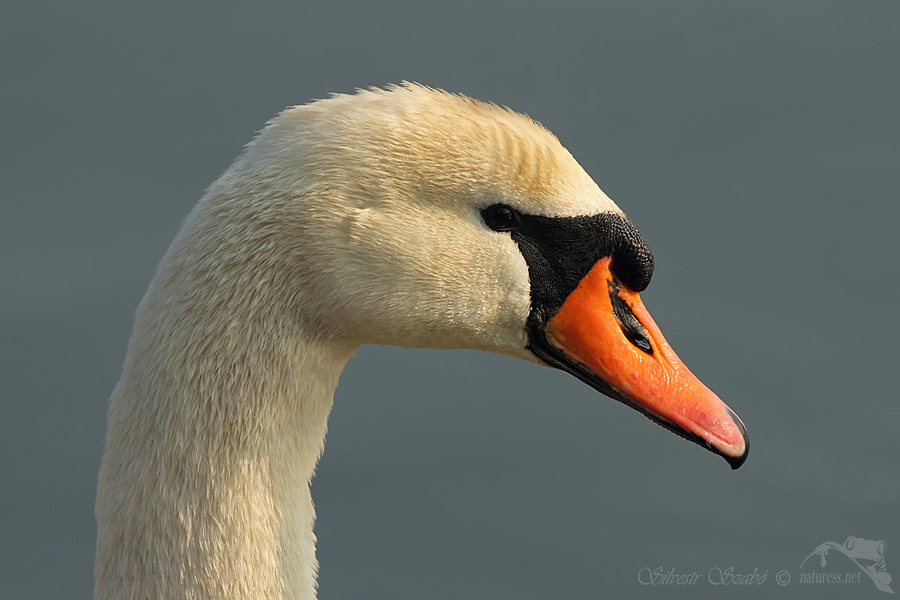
point(867, 555)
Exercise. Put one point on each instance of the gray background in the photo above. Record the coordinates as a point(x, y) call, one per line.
point(755, 144)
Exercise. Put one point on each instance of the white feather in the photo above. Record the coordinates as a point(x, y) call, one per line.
point(347, 221)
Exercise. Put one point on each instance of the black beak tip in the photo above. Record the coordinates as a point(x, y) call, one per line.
point(737, 461)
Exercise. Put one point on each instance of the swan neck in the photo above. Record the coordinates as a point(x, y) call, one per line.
point(213, 435)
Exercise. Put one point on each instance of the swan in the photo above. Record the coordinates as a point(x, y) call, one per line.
point(407, 216)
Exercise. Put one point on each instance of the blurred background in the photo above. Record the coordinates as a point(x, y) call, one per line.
point(754, 143)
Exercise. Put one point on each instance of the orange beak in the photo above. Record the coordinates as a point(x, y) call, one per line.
point(605, 336)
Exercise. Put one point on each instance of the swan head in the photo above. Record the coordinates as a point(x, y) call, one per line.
point(414, 217)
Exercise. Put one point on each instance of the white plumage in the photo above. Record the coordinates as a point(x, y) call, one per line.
point(347, 221)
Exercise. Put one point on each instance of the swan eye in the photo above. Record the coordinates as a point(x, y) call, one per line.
point(499, 217)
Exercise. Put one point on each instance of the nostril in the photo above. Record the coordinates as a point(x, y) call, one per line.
point(632, 329)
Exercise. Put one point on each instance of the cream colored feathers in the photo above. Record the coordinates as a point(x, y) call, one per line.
point(347, 221)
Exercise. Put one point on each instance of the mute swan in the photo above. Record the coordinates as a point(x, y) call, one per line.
point(405, 216)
